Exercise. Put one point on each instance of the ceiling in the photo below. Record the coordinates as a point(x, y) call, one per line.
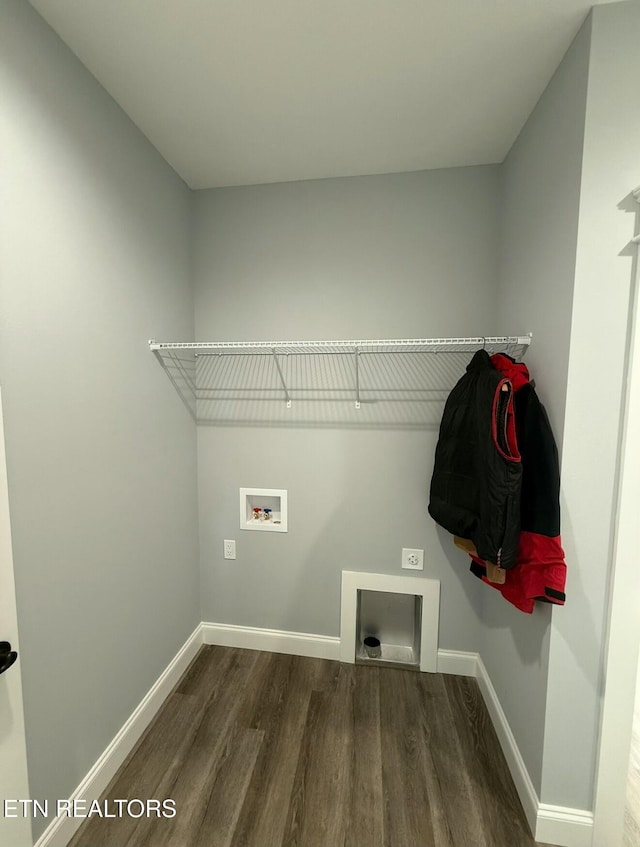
point(236, 92)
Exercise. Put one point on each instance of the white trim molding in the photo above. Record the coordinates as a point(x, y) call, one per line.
point(272, 640)
point(61, 829)
point(565, 826)
point(457, 663)
point(622, 648)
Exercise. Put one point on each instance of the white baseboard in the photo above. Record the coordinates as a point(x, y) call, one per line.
point(61, 829)
point(272, 640)
point(561, 825)
point(457, 663)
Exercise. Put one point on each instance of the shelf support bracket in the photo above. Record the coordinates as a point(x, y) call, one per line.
point(356, 358)
point(282, 380)
point(188, 382)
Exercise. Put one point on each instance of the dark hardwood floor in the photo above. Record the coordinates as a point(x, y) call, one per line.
point(267, 750)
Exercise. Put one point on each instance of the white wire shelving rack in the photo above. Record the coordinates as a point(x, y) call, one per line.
point(208, 374)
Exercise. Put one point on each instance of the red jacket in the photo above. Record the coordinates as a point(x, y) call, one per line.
point(540, 569)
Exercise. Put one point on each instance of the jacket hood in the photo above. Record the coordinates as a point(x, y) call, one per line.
point(517, 372)
point(480, 361)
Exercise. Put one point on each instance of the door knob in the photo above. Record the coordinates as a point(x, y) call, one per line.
point(7, 656)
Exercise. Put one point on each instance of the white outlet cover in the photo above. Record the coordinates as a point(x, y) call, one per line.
point(412, 559)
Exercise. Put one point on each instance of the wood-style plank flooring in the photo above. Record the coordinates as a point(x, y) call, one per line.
point(267, 750)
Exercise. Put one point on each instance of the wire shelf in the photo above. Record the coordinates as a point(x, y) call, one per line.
point(391, 382)
point(396, 345)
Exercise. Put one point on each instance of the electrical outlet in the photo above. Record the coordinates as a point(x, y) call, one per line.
point(229, 549)
point(413, 560)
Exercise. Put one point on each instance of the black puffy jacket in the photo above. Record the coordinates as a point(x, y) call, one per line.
point(475, 488)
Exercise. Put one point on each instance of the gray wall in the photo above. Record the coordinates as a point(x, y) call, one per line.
point(540, 203)
point(599, 337)
point(567, 264)
point(101, 457)
point(94, 241)
point(409, 255)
